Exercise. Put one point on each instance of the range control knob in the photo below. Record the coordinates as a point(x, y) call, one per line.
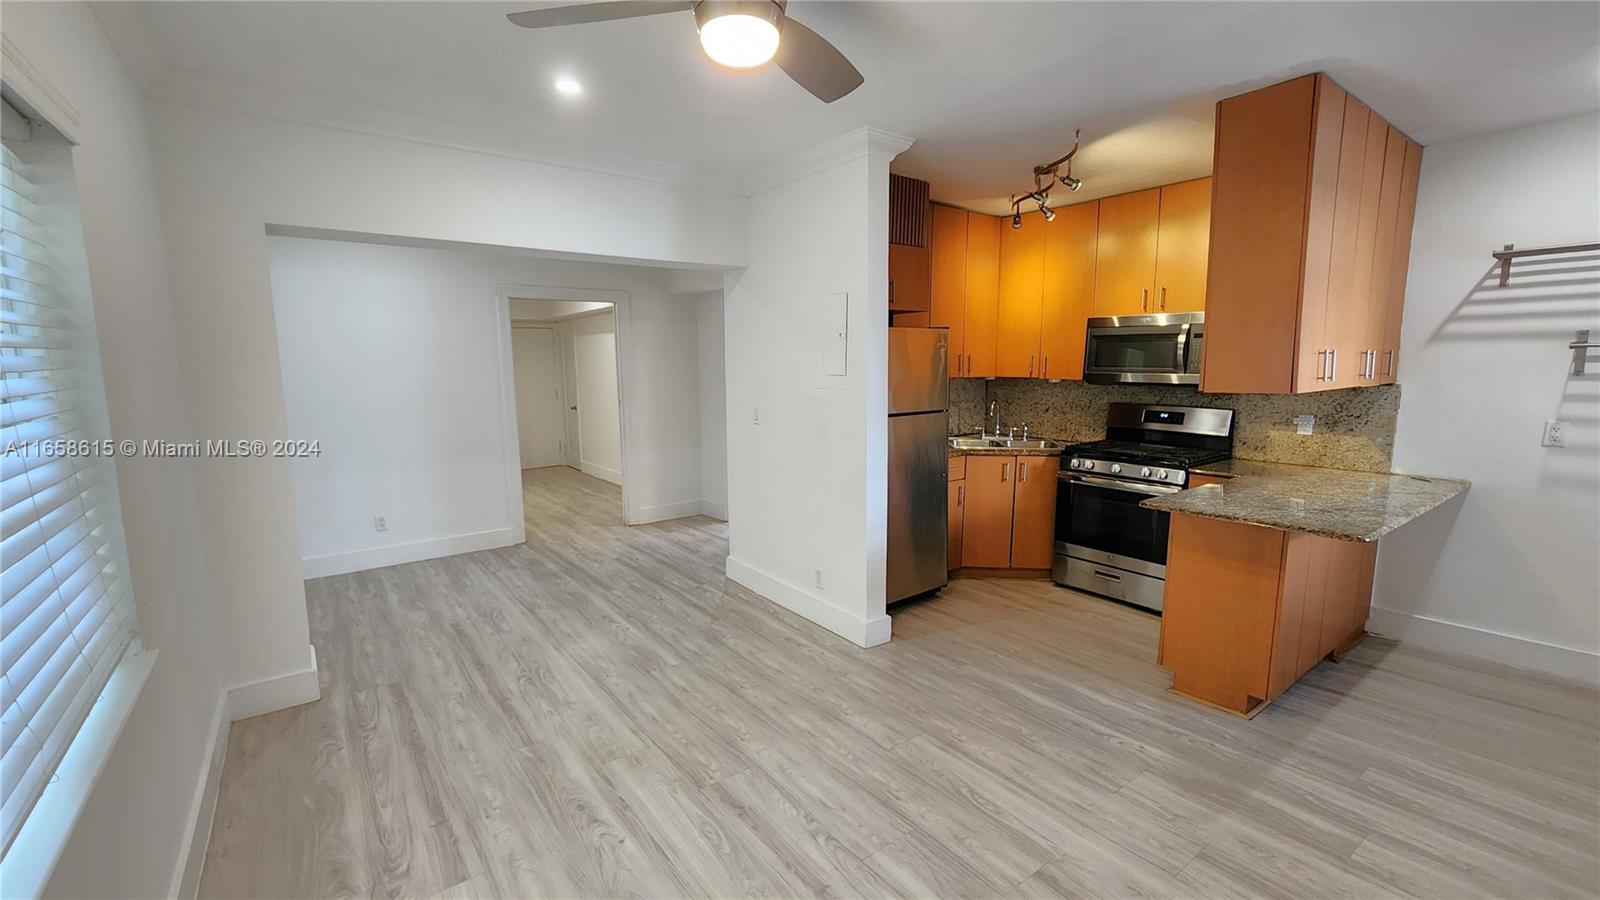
point(1088, 464)
point(1144, 472)
point(1076, 463)
point(1116, 468)
point(1161, 474)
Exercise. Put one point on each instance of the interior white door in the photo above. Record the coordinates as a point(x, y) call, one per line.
point(599, 424)
point(567, 347)
point(540, 422)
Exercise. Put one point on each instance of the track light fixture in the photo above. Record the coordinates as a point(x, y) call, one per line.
point(1046, 177)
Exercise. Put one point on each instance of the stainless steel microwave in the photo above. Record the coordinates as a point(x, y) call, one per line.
point(1160, 348)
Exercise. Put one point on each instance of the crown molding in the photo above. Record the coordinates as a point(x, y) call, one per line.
point(862, 142)
point(34, 90)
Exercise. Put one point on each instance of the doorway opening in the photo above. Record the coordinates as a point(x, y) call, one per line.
point(566, 381)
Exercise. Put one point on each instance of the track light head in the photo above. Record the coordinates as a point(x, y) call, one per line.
point(1049, 214)
point(1071, 183)
point(1016, 220)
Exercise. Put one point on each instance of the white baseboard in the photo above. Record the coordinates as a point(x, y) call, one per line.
point(1510, 649)
point(714, 510)
point(203, 808)
point(840, 621)
point(667, 511)
point(415, 551)
point(272, 694)
point(601, 472)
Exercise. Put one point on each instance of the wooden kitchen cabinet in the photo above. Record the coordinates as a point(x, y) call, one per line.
point(982, 295)
point(1068, 293)
point(1183, 242)
point(986, 528)
point(1020, 294)
point(1125, 253)
point(1249, 610)
point(1313, 203)
point(910, 281)
point(1033, 514)
point(956, 507)
point(948, 275)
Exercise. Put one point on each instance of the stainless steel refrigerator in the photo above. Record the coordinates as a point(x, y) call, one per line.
point(919, 395)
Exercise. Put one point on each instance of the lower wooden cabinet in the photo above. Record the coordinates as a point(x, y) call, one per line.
point(1008, 510)
point(1033, 513)
point(986, 526)
point(1250, 609)
point(956, 508)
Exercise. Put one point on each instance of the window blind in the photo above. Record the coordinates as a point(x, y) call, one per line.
point(66, 607)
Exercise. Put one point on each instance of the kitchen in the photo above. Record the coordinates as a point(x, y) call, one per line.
point(1181, 398)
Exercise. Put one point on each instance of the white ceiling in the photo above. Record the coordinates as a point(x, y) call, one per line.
point(987, 89)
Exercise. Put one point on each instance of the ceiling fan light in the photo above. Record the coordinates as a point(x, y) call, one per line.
point(739, 40)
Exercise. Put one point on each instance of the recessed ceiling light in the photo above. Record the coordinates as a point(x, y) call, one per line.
point(568, 86)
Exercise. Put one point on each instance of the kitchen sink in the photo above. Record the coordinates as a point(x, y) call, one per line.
point(998, 443)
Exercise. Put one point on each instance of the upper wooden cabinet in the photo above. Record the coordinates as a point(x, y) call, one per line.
point(910, 279)
point(1312, 208)
point(1125, 266)
point(982, 295)
point(1183, 241)
point(1021, 292)
point(1069, 251)
point(948, 292)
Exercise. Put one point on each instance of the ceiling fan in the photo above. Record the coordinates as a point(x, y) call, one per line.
point(737, 33)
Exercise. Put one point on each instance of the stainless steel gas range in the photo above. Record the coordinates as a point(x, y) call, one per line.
point(1106, 543)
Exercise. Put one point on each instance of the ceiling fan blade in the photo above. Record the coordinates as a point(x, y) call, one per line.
point(815, 64)
point(585, 13)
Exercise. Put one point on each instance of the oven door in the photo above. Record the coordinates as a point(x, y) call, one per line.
point(1100, 519)
point(1153, 353)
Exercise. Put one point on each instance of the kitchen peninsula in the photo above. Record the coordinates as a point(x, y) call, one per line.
point(1270, 571)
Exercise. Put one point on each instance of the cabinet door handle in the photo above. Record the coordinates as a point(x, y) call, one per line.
point(1005, 472)
point(1322, 365)
point(1045, 371)
point(1022, 472)
point(1030, 365)
point(969, 363)
point(1163, 297)
point(961, 494)
point(1388, 363)
point(1333, 364)
point(1144, 299)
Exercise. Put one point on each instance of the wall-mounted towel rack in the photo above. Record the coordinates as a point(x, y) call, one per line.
point(1511, 252)
point(1580, 348)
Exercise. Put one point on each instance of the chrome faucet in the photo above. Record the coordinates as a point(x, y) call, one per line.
point(994, 413)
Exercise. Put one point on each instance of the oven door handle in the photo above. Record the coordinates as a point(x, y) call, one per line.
point(1180, 356)
point(1133, 487)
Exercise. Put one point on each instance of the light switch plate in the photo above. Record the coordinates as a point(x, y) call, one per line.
point(1304, 424)
point(833, 334)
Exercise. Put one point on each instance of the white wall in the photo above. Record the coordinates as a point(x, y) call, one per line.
point(392, 358)
point(594, 340)
point(223, 177)
point(1510, 572)
point(807, 486)
point(713, 406)
point(136, 827)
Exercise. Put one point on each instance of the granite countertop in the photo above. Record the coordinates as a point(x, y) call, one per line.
point(1351, 506)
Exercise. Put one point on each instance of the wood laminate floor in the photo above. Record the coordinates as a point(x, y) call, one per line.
point(598, 713)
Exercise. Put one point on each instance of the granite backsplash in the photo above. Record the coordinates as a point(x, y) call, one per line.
point(1354, 428)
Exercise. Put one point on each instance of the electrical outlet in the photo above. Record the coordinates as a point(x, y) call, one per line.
point(1555, 434)
point(1304, 424)
point(819, 579)
point(755, 415)
point(380, 523)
